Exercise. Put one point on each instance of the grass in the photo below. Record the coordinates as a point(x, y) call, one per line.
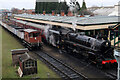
point(8, 43)
point(8, 71)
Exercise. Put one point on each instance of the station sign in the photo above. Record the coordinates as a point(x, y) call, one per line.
point(20, 72)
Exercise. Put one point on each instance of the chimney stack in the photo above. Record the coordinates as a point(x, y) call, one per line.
point(62, 13)
point(70, 13)
point(43, 12)
point(53, 13)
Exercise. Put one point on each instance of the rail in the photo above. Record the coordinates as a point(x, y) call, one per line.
point(67, 71)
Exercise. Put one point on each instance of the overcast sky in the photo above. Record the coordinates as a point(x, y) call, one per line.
point(30, 4)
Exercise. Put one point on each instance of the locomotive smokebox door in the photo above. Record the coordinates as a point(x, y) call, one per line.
point(117, 56)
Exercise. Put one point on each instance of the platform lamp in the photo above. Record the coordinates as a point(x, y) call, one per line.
point(117, 57)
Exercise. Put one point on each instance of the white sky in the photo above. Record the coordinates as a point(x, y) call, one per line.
point(30, 4)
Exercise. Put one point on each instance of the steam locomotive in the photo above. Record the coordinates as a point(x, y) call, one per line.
point(97, 51)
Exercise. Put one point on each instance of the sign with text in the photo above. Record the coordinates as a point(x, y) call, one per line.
point(20, 72)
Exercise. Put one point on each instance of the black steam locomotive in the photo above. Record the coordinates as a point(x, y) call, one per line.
point(97, 51)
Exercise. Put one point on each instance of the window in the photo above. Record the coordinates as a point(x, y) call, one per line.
point(29, 64)
point(31, 35)
point(36, 34)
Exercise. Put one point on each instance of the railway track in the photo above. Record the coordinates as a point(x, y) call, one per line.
point(113, 76)
point(65, 71)
point(111, 73)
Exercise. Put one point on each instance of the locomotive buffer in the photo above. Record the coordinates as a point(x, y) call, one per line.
point(117, 56)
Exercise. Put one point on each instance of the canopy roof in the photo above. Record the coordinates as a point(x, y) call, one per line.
point(84, 23)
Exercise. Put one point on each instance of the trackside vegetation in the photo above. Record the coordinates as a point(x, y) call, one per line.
point(9, 42)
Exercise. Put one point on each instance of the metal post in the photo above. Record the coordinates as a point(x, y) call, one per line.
point(114, 38)
point(117, 57)
point(118, 34)
point(109, 35)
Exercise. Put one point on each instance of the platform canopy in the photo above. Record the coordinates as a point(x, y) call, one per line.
point(83, 23)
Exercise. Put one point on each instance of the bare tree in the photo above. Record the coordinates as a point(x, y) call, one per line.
point(74, 6)
point(14, 10)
